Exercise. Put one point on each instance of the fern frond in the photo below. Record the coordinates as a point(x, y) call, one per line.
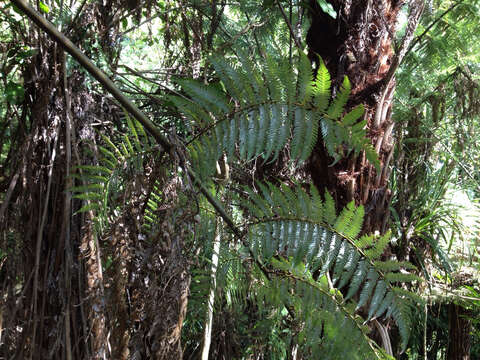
point(272, 79)
point(305, 80)
point(401, 312)
point(288, 228)
point(359, 275)
point(349, 268)
point(102, 183)
point(317, 204)
point(330, 213)
point(356, 224)
point(289, 82)
point(350, 118)
point(262, 108)
point(364, 241)
point(379, 247)
point(210, 97)
point(322, 87)
point(345, 218)
point(311, 135)
point(369, 285)
point(377, 298)
point(231, 78)
point(299, 132)
point(343, 256)
point(320, 311)
point(392, 265)
point(254, 90)
point(194, 112)
point(401, 277)
point(372, 156)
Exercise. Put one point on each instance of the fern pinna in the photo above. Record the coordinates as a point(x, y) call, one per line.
point(255, 110)
point(294, 230)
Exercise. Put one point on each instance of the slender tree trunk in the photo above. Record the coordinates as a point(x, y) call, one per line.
point(459, 333)
point(89, 248)
point(122, 256)
point(207, 335)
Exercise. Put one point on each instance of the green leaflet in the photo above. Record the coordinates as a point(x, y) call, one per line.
point(43, 7)
point(322, 87)
point(338, 105)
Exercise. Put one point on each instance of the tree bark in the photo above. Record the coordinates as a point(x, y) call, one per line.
point(459, 333)
point(359, 44)
point(207, 335)
point(55, 265)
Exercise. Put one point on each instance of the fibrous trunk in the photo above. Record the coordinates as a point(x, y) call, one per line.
point(358, 44)
point(54, 287)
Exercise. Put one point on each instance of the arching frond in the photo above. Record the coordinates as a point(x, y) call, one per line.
point(328, 244)
point(264, 108)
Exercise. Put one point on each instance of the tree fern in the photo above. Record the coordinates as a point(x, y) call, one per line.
point(330, 328)
point(294, 234)
point(328, 244)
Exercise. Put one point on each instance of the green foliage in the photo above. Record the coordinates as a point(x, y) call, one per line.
point(105, 183)
point(43, 7)
point(307, 271)
point(295, 237)
point(14, 93)
point(300, 240)
point(327, 8)
point(255, 111)
point(330, 329)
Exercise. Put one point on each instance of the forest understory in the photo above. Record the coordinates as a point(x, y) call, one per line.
point(275, 179)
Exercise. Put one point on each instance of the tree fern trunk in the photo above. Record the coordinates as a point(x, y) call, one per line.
point(49, 268)
point(207, 337)
point(94, 291)
point(120, 328)
point(358, 44)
